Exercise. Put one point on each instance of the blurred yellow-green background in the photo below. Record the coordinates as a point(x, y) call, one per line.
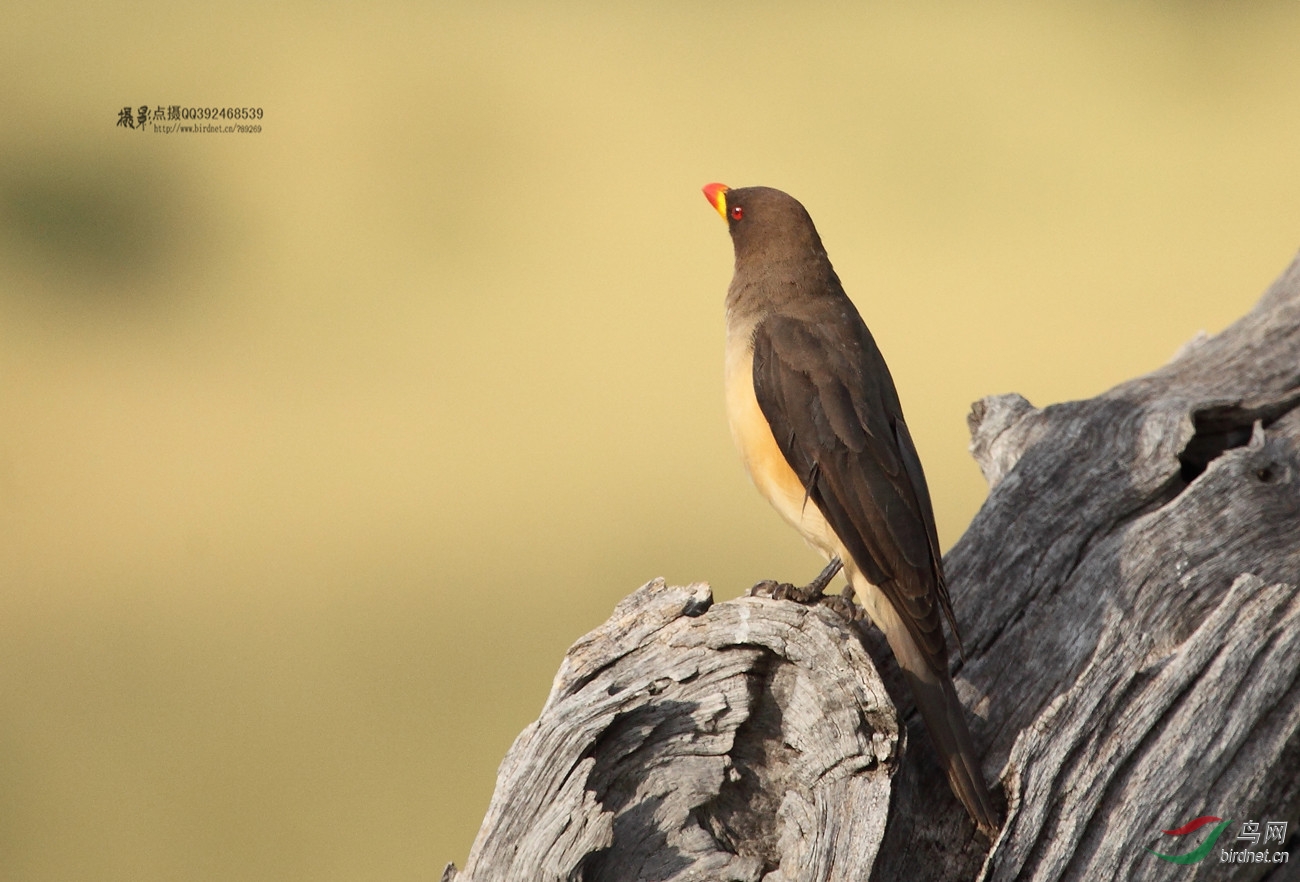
point(319, 446)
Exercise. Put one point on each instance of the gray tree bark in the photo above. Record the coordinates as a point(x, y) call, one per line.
point(1129, 607)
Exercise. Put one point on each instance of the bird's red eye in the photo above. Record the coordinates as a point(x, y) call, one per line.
point(737, 212)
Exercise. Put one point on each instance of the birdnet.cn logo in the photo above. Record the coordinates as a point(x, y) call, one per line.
point(1255, 833)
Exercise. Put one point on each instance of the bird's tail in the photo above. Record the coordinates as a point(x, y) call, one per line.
point(936, 699)
point(945, 718)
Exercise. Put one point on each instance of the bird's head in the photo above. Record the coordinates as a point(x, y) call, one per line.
point(766, 224)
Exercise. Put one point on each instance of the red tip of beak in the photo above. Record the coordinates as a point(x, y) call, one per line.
point(717, 196)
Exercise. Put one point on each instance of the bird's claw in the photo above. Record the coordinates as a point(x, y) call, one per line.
point(782, 591)
point(844, 605)
point(813, 592)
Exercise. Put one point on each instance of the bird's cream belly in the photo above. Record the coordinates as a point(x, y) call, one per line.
point(764, 461)
point(778, 483)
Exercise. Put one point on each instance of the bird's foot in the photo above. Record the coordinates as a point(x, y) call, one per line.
point(845, 605)
point(807, 594)
point(774, 589)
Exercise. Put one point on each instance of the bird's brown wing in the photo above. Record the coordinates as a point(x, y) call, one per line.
point(834, 413)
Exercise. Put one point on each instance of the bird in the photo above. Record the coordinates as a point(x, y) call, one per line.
point(816, 417)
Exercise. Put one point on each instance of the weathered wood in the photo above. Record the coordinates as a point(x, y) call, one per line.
point(1129, 606)
point(687, 740)
point(1130, 593)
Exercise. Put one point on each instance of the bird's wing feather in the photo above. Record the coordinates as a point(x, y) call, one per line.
point(834, 413)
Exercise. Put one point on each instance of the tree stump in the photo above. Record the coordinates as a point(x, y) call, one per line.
point(1129, 608)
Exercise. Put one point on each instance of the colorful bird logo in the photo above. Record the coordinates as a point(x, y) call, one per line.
point(1205, 847)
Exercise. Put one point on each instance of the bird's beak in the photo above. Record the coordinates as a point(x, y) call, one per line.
point(717, 196)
